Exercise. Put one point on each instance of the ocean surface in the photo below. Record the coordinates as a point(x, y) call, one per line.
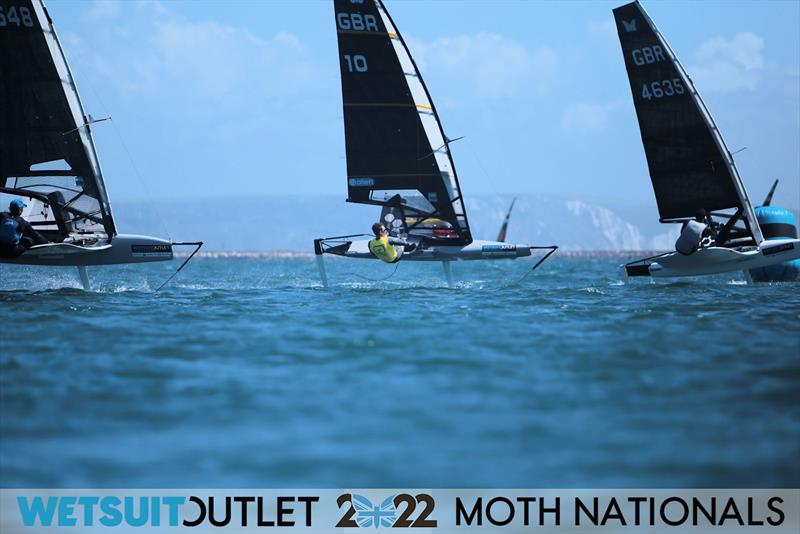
point(247, 373)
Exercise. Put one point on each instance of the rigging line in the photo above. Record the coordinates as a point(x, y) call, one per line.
point(478, 160)
point(142, 182)
point(485, 173)
point(481, 167)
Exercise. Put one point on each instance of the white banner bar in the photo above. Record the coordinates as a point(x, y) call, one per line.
point(421, 510)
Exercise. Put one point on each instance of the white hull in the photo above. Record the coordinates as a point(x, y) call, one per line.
point(347, 247)
point(122, 249)
point(477, 250)
point(717, 260)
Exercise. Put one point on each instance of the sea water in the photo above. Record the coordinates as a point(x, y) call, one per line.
point(247, 372)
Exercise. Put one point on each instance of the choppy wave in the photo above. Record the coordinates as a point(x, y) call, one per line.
point(246, 372)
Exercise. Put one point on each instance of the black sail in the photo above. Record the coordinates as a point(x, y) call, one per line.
point(394, 141)
point(690, 166)
point(45, 142)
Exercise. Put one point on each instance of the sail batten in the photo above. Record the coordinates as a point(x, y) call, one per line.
point(691, 167)
point(394, 140)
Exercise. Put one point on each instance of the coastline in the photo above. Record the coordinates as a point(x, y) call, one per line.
point(301, 254)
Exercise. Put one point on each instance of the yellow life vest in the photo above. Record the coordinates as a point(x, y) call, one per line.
point(383, 250)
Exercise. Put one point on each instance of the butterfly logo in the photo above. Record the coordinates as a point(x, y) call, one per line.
point(368, 514)
point(629, 25)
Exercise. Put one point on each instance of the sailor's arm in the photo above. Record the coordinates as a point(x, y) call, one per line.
point(398, 241)
point(27, 230)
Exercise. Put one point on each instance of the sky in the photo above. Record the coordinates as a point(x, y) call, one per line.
point(224, 99)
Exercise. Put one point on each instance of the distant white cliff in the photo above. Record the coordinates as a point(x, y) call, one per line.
point(292, 222)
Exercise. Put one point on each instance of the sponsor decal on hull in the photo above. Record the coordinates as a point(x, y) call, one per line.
point(151, 251)
point(499, 250)
point(778, 249)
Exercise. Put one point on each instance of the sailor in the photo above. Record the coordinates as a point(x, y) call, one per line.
point(16, 234)
point(695, 234)
point(383, 246)
point(11, 244)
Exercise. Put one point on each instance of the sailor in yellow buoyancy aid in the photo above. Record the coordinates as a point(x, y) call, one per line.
point(383, 246)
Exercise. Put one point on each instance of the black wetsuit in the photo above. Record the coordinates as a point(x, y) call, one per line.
point(28, 231)
point(12, 248)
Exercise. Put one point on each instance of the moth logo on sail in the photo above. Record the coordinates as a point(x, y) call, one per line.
point(151, 251)
point(499, 250)
point(361, 182)
point(629, 25)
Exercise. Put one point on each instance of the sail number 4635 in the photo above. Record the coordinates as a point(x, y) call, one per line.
point(662, 88)
point(17, 16)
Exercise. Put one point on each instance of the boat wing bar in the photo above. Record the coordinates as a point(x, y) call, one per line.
point(422, 214)
point(47, 200)
point(642, 267)
point(404, 207)
point(321, 246)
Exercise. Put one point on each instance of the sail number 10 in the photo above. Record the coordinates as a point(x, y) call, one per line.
point(17, 16)
point(356, 63)
point(660, 89)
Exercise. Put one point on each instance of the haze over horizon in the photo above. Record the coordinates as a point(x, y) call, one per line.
point(243, 99)
point(275, 222)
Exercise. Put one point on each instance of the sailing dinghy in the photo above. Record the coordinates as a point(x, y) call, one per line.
point(398, 156)
point(501, 236)
point(48, 156)
point(694, 177)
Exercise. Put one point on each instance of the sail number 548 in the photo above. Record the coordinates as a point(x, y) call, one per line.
point(662, 88)
point(17, 16)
